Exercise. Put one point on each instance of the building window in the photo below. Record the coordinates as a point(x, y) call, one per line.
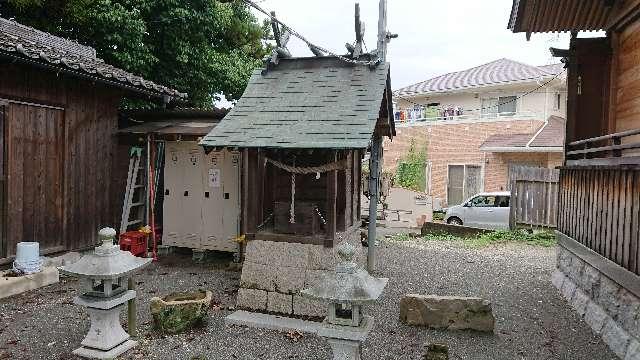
point(558, 101)
point(463, 182)
point(507, 105)
point(504, 105)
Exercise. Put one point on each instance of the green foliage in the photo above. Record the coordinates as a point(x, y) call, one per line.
point(411, 172)
point(438, 215)
point(534, 238)
point(202, 47)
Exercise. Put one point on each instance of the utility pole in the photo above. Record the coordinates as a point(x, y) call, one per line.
point(376, 148)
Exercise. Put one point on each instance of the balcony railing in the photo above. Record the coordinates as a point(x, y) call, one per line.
point(423, 121)
point(621, 148)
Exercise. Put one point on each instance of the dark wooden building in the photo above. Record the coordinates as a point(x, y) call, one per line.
point(599, 197)
point(303, 128)
point(60, 174)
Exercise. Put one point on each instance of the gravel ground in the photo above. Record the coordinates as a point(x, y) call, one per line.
point(532, 320)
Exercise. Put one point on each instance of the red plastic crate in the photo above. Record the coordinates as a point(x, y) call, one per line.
point(134, 242)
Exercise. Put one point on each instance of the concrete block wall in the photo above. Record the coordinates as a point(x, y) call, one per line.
point(609, 309)
point(274, 273)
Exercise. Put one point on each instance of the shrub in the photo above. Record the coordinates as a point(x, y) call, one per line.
point(411, 172)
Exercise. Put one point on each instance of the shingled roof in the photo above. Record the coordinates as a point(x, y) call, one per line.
point(36, 47)
point(316, 102)
point(547, 138)
point(498, 72)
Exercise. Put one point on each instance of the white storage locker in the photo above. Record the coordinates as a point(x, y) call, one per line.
point(171, 228)
point(191, 216)
point(202, 197)
point(212, 233)
point(231, 195)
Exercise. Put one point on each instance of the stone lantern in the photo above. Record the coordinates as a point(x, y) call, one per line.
point(103, 292)
point(346, 327)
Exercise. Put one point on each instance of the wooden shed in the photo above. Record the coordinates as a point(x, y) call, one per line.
point(303, 127)
point(61, 177)
point(198, 195)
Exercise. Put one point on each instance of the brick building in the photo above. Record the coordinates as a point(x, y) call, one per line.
point(516, 118)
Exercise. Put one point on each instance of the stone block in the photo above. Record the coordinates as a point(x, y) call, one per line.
point(568, 288)
point(258, 276)
point(447, 312)
point(303, 306)
point(314, 277)
point(279, 303)
point(575, 269)
point(321, 258)
point(590, 280)
point(579, 302)
point(595, 317)
point(255, 250)
point(607, 296)
point(564, 262)
point(633, 351)
point(289, 280)
point(252, 299)
point(14, 285)
point(557, 279)
point(614, 336)
point(629, 312)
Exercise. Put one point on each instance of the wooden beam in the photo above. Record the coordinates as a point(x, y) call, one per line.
point(332, 187)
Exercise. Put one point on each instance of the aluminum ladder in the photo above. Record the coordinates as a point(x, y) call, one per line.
point(134, 197)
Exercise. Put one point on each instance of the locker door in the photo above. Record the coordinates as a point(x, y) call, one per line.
point(191, 195)
point(212, 202)
point(231, 196)
point(172, 212)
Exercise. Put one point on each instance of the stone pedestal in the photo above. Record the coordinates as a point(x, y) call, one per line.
point(106, 338)
point(346, 341)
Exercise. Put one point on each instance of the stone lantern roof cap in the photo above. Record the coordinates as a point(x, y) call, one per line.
point(349, 285)
point(106, 262)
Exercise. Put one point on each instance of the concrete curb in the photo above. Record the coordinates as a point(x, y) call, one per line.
point(271, 322)
point(10, 286)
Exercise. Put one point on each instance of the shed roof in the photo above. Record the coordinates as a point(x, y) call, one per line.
point(535, 16)
point(40, 48)
point(547, 138)
point(185, 121)
point(315, 102)
point(498, 72)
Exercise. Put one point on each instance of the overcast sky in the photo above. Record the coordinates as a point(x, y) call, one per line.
point(435, 37)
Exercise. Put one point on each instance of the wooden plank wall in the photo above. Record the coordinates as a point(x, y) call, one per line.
point(80, 139)
point(534, 196)
point(627, 82)
point(601, 210)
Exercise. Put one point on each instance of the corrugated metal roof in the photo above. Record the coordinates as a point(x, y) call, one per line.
point(23, 42)
point(534, 16)
point(551, 134)
point(316, 102)
point(502, 71)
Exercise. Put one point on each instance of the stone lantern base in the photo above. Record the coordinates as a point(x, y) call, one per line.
point(106, 338)
point(346, 341)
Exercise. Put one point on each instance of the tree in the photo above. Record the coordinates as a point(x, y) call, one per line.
point(202, 47)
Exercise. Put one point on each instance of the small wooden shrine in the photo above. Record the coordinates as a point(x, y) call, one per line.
point(303, 126)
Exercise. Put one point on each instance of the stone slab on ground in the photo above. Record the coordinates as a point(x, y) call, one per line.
point(447, 312)
point(62, 260)
point(10, 286)
point(111, 354)
point(272, 322)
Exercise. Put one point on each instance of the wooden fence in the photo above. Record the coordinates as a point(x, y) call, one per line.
point(601, 210)
point(534, 196)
